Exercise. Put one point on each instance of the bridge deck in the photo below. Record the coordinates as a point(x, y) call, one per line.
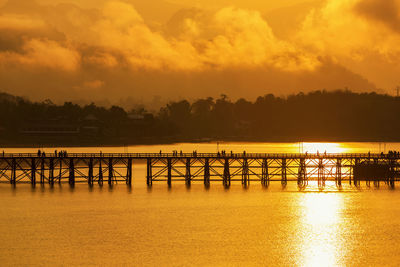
point(209, 155)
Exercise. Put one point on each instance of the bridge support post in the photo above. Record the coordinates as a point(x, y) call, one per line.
point(351, 172)
point(264, 173)
point(42, 171)
point(338, 175)
point(188, 176)
point(71, 179)
point(110, 171)
point(129, 172)
point(51, 171)
point(207, 172)
point(60, 173)
point(356, 180)
point(302, 176)
point(90, 174)
point(227, 174)
point(368, 176)
point(245, 173)
point(33, 171)
point(149, 172)
point(392, 172)
point(13, 178)
point(376, 180)
point(169, 169)
point(284, 172)
point(100, 172)
point(321, 173)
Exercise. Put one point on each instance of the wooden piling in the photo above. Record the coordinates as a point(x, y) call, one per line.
point(376, 181)
point(33, 171)
point(284, 172)
point(149, 172)
point(264, 173)
point(207, 172)
point(129, 172)
point(245, 173)
point(321, 173)
point(169, 171)
point(61, 171)
point(356, 181)
point(110, 171)
point(227, 174)
point(71, 179)
point(100, 181)
point(42, 171)
point(51, 171)
point(188, 175)
point(13, 178)
point(90, 172)
point(338, 175)
point(301, 175)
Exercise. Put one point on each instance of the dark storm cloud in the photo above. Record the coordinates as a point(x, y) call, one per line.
point(384, 11)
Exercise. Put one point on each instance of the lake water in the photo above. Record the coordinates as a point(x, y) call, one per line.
point(215, 227)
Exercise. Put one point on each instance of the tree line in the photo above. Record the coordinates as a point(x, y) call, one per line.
point(339, 115)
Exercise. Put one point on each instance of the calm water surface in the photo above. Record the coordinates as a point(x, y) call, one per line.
point(215, 227)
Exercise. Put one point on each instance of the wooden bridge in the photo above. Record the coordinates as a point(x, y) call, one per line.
point(201, 167)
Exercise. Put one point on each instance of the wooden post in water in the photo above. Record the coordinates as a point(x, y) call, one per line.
point(100, 172)
point(284, 172)
point(356, 180)
point(207, 172)
point(110, 171)
point(245, 173)
point(302, 176)
point(51, 171)
point(368, 178)
point(169, 169)
point(227, 174)
point(149, 172)
point(376, 180)
point(321, 173)
point(71, 172)
point(392, 172)
point(351, 171)
point(188, 176)
point(90, 171)
point(338, 172)
point(60, 173)
point(13, 178)
point(33, 171)
point(42, 171)
point(129, 172)
point(264, 173)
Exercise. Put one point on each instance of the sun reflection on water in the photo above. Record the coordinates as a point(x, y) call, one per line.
point(320, 222)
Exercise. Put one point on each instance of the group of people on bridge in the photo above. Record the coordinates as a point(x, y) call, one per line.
point(60, 154)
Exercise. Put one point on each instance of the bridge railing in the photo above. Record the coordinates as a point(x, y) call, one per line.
point(202, 155)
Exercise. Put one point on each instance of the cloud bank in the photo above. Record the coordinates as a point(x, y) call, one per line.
point(64, 51)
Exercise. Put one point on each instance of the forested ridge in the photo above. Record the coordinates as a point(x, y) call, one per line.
point(339, 115)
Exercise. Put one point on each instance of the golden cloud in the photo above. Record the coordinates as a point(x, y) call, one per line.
point(20, 22)
point(227, 49)
point(43, 54)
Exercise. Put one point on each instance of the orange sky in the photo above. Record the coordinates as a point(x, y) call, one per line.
point(113, 49)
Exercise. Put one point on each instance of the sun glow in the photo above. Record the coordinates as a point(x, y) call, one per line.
point(320, 224)
point(323, 147)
